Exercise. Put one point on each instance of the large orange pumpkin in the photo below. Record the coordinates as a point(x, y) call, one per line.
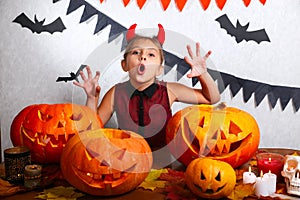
point(224, 133)
point(106, 162)
point(210, 179)
point(46, 128)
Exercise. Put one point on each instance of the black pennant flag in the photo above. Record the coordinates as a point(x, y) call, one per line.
point(260, 90)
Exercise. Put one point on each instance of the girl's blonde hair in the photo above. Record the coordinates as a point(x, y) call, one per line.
point(152, 39)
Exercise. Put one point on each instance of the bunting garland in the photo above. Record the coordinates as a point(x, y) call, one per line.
point(181, 3)
point(259, 90)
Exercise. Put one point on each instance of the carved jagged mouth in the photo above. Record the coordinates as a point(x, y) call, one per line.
point(54, 140)
point(209, 191)
point(110, 179)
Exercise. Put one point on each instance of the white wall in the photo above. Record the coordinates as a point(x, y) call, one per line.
point(30, 63)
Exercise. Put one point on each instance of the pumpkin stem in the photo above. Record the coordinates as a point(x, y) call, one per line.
point(220, 106)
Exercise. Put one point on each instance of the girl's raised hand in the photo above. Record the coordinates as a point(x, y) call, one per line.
point(197, 63)
point(90, 84)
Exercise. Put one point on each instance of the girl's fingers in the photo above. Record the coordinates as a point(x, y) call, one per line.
point(207, 55)
point(197, 49)
point(189, 49)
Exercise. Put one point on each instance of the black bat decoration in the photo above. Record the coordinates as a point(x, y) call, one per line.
point(240, 32)
point(37, 26)
point(72, 76)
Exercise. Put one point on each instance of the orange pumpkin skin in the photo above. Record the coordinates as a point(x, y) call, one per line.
point(106, 162)
point(46, 128)
point(227, 134)
point(210, 179)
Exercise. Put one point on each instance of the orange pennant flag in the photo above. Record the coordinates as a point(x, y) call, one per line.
point(220, 3)
point(180, 4)
point(141, 3)
point(205, 4)
point(262, 1)
point(125, 2)
point(101, 1)
point(247, 2)
point(165, 3)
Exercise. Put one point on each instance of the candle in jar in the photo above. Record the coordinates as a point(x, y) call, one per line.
point(249, 177)
point(270, 162)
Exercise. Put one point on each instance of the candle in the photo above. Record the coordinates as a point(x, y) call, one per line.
point(32, 175)
point(261, 186)
point(249, 177)
point(271, 179)
point(270, 162)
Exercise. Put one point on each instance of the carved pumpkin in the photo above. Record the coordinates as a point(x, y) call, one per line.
point(46, 128)
point(106, 162)
point(228, 134)
point(210, 179)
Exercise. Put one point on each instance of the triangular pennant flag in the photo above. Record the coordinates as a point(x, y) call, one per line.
point(182, 68)
point(205, 4)
point(141, 3)
point(101, 23)
point(272, 97)
point(115, 30)
point(165, 3)
point(170, 61)
point(260, 93)
point(296, 98)
point(236, 86)
point(126, 2)
point(180, 4)
point(220, 3)
point(248, 89)
point(88, 12)
point(285, 95)
point(74, 5)
point(247, 2)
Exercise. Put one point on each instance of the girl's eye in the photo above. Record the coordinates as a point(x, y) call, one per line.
point(135, 52)
point(151, 54)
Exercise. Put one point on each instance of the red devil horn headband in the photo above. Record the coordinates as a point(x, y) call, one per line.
point(160, 36)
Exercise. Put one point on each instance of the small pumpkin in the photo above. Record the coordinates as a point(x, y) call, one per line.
point(106, 162)
point(210, 179)
point(46, 128)
point(224, 133)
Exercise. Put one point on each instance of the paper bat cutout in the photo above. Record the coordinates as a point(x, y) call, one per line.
point(240, 32)
point(259, 90)
point(37, 26)
point(73, 76)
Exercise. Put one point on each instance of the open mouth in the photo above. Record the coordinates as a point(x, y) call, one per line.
point(141, 69)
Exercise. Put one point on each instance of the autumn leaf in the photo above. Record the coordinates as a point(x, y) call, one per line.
point(152, 180)
point(59, 192)
point(241, 191)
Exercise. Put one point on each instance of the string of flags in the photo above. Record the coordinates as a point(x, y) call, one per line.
point(181, 3)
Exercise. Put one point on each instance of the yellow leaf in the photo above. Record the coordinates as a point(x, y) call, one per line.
point(151, 182)
point(152, 185)
point(241, 191)
point(59, 192)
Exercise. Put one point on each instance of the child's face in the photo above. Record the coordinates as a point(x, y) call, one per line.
point(143, 61)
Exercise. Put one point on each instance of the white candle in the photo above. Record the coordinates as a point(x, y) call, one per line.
point(261, 186)
point(271, 179)
point(249, 177)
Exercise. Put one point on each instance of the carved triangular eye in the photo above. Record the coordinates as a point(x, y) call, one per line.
point(202, 176)
point(44, 117)
point(201, 122)
point(76, 117)
point(218, 177)
point(234, 128)
point(120, 153)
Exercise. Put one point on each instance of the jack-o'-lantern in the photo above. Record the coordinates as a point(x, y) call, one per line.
point(46, 128)
point(224, 133)
point(210, 179)
point(106, 162)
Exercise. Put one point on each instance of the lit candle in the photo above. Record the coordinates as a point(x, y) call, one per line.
point(249, 177)
point(270, 162)
point(271, 179)
point(261, 186)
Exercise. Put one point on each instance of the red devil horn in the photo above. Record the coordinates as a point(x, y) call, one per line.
point(161, 34)
point(131, 32)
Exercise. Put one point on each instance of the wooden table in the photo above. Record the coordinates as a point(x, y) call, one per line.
point(142, 193)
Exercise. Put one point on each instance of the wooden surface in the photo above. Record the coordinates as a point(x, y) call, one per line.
point(142, 193)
